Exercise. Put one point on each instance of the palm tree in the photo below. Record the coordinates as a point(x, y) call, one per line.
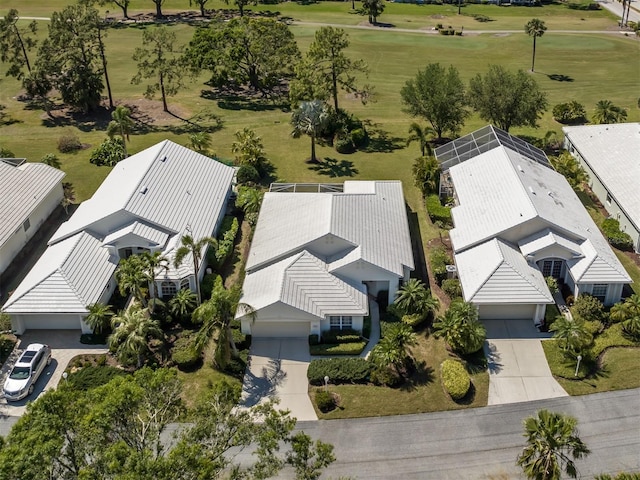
point(248, 148)
point(68, 196)
point(195, 249)
point(133, 278)
point(51, 159)
point(308, 119)
point(182, 304)
point(426, 175)
point(460, 328)
point(415, 298)
point(569, 167)
point(99, 316)
point(535, 28)
point(121, 124)
point(607, 112)
point(420, 135)
point(552, 445)
point(216, 315)
point(132, 330)
point(572, 335)
point(249, 200)
point(393, 349)
point(200, 141)
point(153, 262)
point(624, 310)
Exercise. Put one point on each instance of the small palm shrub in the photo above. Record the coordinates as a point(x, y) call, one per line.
point(455, 379)
point(413, 320)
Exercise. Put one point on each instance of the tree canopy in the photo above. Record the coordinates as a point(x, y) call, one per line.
point(437, 95)
point(15, 44)
point(535, 28)
point(507, 99)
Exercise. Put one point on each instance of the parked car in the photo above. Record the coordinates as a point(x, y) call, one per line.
point(25, 373)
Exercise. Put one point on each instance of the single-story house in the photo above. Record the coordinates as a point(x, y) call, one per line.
point(610, 154)
point(517, 221)
point(317, 255)
point(147, 203)
point(29, 193)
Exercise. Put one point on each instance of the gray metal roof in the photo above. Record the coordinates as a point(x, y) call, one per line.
point(22, 189)
point(613, 153)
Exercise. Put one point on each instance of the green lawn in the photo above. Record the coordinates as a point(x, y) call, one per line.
point(198, 381)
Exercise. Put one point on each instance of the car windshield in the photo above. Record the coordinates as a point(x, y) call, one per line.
point(20, 373)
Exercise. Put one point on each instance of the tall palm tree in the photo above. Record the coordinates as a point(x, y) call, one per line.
point(196, 249)
point(552, 445)
point(216, 315)
point(132, 330)
point(308, 119)
point(420, 135)
point(248, 148)
point(182, 304)
point(415, 298)
point(133, 278)
point(569, 167)
point(153, 263)
point(535, 28)
point(99, 316)
point(121, 124)
point(573, 335)
point(607, 112)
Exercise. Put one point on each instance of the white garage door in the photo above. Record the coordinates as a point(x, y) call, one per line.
point(280, 329)
point(506, 312)
point(51, 322)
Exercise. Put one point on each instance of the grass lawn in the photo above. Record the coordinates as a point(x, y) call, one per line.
point(197, 382)
point(423, 394)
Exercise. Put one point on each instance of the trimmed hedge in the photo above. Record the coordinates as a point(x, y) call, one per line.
point(91, 377)
point(227, 239)
point(455, 379)
point(438, 212)
point(339, 370)
point(341, 336)
point(325, 401)
point(337, 348)
point(615, 236)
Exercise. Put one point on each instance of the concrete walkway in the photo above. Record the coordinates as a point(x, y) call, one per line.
point(278, 369)
point(65, 344)
point(374, 336)
point(518, 368)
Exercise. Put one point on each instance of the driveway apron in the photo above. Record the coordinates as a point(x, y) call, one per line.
point(278, 369)
point(518, 368)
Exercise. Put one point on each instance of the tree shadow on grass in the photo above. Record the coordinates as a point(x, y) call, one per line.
point(245, 101)
point(332, 167)
point(380, 141)
point(558, 77)
point(85, 122)
point(422, 375)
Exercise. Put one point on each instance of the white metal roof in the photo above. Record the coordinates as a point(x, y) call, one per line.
point(546, 238)
point(368, 215)
point(496, 272)
point(303, 281)
point(613, 153)
point(69, 276)
point(22, 188)
point(153, 236)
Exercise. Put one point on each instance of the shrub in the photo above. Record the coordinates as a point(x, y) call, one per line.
point(247, 174)
point(570, 299)
point(386, 377)
point(439, 260)
point(314, 339)
point(242, 341)
point(552, 284)
point(338, 348)
point(227, 242)
point(366, 327)
point(455, 379)
point(359, 137)
point(344, 144)
point(206, 286)
point(588, 308)
point(93, 339)
point(236, 367)
point(438, 212)
point(324, 401)
point(101, 361)
point(385, 326)
point(108, 153)
point(184, 353)
point(68, 143)
point(569, 112)
point(413, 320)
point(341, 336)
point(92, 377)
point(451, 286)
point(615, 236)
point(339, 370)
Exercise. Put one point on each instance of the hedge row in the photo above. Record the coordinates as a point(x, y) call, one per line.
point(438, 213)
point(455, 379)
point(615, 236)
point(339, 370)
point(337, 348)
point(439, 259)
point(227, 242)
point(341, 336)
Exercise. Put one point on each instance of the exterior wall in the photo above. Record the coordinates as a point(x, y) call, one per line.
point(278, 314)
point(48, 321)
point(600, 191)
point(361, 271)
point(20, 237)
point(614, 292)
point(507, 312)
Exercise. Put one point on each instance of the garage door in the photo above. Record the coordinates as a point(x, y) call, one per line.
point(506, 312)
point(280, 329)
point(51, 322)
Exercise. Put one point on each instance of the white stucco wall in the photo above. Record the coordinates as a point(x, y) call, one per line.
point(361, 272)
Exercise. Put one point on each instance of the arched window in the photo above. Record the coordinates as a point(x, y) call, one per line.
point(168, 289)
point(185, 284)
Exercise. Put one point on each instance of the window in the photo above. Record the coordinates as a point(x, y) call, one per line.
point(600, 291)
point(26, 225)
point(168, 289)
point(552, 268)
point(340, 323)
point(608, 198)
point(185, 284)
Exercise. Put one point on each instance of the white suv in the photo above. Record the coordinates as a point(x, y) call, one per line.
point(24, 374)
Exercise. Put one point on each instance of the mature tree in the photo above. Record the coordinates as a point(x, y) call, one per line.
point(200, 141)
point(158, 60)
point(572, 334)
point(99, 316)
point(326, 69)
point(414, 298)
point(122, 4)
point(159, 4)
point(241, 4)
point(183, 303)
point(535, 28)
point(372, 8)
point(248, 148)
point(39, 85)
point(121, 124)
point(133, 278)
point(565, 164)
point(132, 330)
point(421, 136)
point(308, 119)
point(201, 4)
point(460, 328)
point(215, 316)
point(607, 112)
point(108, 153)
point(309, 459)
point(437, 95)
point(552, 445)
point(196, 249)
point(258, 52)
point(16, 43)
point(51, 159)
point(507, 99)
point(426, 175)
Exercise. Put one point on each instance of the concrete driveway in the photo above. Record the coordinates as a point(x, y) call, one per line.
point(65, 344)
point(518, 368)
point(278, 369)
